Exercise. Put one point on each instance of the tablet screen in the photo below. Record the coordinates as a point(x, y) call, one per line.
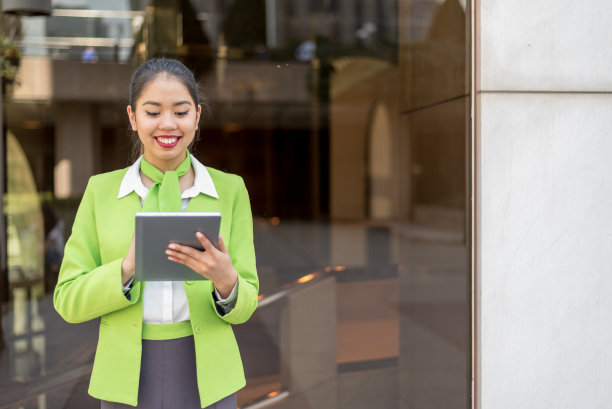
point(154, 231)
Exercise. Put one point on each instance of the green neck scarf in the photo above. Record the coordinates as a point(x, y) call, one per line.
point(165, 194)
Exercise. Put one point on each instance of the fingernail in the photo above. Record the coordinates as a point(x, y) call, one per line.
point(199, 234)
point(172, 246)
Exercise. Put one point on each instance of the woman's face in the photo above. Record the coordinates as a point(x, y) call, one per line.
point(166, 119)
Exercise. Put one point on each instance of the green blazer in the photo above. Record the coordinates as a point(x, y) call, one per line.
point(89, 286)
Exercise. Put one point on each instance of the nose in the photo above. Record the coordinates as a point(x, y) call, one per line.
point(167, 121)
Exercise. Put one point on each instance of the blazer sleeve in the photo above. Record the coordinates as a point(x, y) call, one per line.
point(242, 253)
point(86, 288)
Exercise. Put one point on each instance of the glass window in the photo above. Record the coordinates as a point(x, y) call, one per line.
point(349, 122)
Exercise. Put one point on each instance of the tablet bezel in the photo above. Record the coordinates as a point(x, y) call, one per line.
point(155, 230)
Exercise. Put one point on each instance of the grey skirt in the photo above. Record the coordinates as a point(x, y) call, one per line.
point(168, 378)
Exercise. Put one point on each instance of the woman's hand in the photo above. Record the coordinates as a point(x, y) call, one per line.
point(212, 263)
point(128, 265)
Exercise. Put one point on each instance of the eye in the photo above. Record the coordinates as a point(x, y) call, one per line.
point(152, 113)
point(183, 113)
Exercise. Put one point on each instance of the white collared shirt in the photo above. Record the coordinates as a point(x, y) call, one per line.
point(165, 302)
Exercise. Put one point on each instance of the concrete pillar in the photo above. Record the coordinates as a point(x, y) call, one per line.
point(348, 21)
point(380, 163)
point(308, 347)
point(368, 11)
point(3, 224)
point(271, 24)
point(74, 148)
point(282, 24)
point(301, 19)
point(543, 200)
point(389, 9)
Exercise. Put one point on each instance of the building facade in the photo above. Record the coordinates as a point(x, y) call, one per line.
point(424, 175)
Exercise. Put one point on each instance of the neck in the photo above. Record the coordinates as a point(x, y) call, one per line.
point(165, 165)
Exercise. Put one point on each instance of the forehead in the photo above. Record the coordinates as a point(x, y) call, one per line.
point(165, 88)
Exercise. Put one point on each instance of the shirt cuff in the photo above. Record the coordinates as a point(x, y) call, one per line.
point(225, 305)
point(127, 287)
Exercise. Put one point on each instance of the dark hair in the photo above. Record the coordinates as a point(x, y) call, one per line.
point(151, 70)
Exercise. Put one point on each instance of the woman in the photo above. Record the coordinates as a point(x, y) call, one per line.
point(163, 344)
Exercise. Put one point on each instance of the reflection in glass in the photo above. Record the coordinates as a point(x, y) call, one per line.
point(348, 121)
point(434, 281)
point(25, 256)
point(24, 329)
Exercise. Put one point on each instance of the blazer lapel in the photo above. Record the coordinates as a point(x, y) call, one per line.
point(203, 203)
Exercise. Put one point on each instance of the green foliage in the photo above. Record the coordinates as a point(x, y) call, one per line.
point(10, 54)
point(9, 59)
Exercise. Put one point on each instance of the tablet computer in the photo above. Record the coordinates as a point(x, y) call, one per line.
point(154, 231)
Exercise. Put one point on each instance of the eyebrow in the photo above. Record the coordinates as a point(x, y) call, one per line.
point(158, 104)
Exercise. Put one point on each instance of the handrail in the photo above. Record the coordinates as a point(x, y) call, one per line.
point(268, 400)
point(308, 279)
point(294, 286)
point(98, 13)
point(19, 393)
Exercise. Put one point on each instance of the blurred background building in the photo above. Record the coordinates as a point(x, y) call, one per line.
point(348, 121)
point(385, 196)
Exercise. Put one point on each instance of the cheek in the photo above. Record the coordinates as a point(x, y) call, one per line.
point(189, 125)
point(143, 124)
point(143, 129)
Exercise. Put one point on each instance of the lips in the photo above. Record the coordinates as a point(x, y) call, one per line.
point(167, 141)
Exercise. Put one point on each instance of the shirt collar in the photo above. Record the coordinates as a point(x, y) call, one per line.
point(202, 183)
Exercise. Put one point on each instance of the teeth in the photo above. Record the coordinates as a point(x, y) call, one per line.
point(167, 140)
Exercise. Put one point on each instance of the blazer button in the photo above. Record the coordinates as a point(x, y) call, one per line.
point(188, 282)
point(196, 328)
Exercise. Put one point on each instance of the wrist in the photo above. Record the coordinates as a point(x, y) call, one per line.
point(127, 272)
point(225, 288)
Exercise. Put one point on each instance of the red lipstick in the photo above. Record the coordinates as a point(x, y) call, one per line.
point(167, 141)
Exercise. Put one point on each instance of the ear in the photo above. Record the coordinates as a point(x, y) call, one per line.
point(132, 118)
point(198, 116)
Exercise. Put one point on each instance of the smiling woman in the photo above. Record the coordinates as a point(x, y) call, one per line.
point(166, 119)
point(164, 111)
point(180, 327)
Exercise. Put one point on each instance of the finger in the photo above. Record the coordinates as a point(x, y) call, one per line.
point(180, 258)
point(208, 246)
point(177, 255)
point(191, 263)
point(176, 259)
point(197, 264)
point(222, 247)
point(180, 250)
